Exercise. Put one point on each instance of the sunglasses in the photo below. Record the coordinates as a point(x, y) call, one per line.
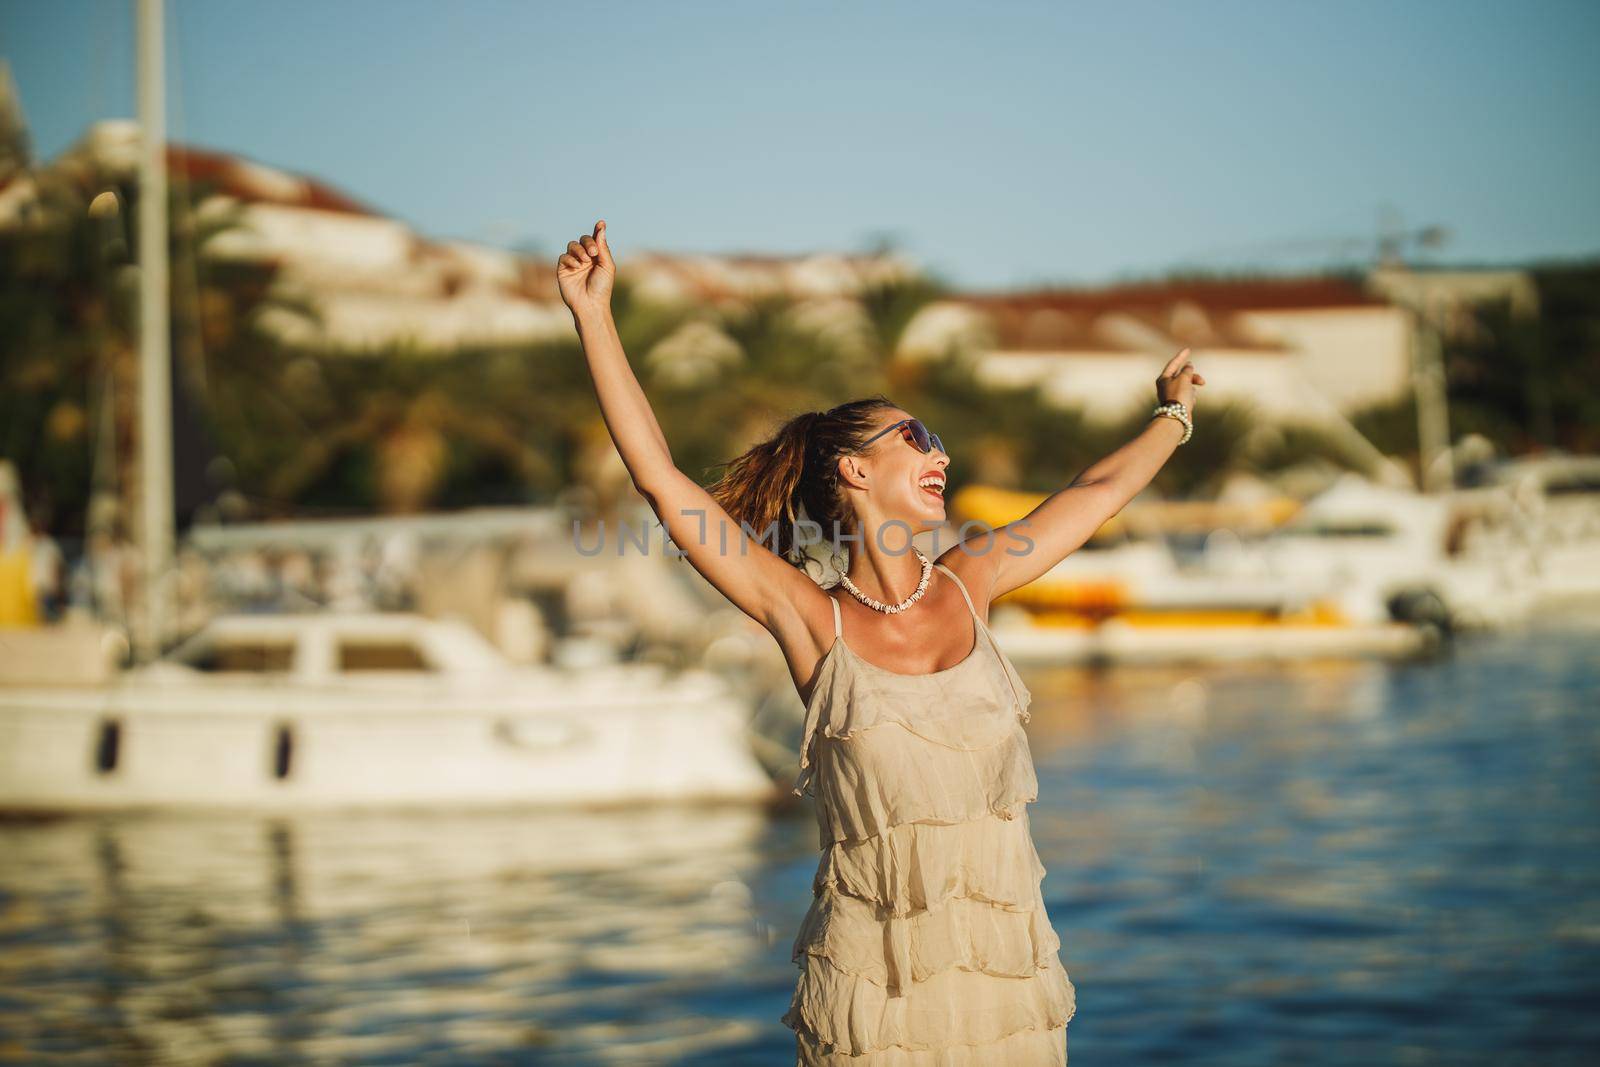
point(914, 432)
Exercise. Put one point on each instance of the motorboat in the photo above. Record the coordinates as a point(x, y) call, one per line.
point(1523, 536)
point(1130, 595)
point(1550, 522)
point(368, 709)
point(1138, 603)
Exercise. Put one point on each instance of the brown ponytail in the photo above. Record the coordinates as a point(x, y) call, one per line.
point(798, 467)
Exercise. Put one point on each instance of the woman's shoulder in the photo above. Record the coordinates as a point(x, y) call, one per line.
point(974, 566)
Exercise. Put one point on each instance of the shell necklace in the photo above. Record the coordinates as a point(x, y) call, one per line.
point(893, 609)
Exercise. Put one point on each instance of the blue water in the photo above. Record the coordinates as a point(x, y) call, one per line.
point(1338, 863)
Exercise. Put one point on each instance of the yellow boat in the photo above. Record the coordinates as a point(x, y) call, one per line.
point(1123, 596)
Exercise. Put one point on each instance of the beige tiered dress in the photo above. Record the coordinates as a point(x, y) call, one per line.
point(927, 943)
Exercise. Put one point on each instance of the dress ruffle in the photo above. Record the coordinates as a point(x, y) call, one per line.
point(1032, 1047)
point(953, 1007)
point(915, 866)
point(863, 939)
point(876, 780)
point(978, 706)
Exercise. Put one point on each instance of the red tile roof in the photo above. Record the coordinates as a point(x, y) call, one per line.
point(1138, 318)
point(1246, 294)
point(227, 173)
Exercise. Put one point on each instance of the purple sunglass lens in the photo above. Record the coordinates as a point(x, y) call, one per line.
point(925, 439)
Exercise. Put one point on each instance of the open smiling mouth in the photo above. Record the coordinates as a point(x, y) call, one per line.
point(934, 489)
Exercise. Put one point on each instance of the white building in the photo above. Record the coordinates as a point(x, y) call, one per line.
point(1291, 347)
point(375, 283)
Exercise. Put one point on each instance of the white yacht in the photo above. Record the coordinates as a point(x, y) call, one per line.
point(369, 710)
point(1381, 553)
point(1524, 537)
point(1552, 520)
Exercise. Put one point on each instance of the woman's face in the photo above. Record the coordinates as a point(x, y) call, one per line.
point(904, 482)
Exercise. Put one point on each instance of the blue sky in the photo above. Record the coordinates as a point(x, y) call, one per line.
point(1001, 145)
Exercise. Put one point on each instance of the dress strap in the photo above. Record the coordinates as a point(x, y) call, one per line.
point(1005, 667)
point(802, 782)
point(959, 586)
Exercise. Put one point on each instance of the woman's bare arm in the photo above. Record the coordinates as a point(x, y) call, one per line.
point(1025, 549)
point(752, 576)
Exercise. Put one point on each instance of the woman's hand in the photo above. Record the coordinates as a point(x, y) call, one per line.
point(1178, 381)
point(585, 272)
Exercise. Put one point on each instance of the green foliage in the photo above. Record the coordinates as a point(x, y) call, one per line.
point(65, 310)
point(397, 428)
point(1564, 399)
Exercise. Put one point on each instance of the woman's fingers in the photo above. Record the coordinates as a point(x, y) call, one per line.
point(588, 250)
point(1174, 363)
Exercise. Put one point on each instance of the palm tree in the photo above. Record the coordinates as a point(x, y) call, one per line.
point(68, 330)
point(408, 420)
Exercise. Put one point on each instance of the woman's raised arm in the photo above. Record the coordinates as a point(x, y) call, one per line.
point(1071, 515)
point(752, 576)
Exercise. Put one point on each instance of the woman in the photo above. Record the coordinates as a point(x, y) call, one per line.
point(927, 943)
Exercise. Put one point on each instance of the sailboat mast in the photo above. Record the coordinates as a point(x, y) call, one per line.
point(155, 361)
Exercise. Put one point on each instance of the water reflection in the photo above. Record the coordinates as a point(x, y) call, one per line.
point(1331, 863)
point(515, 937)
point(1347, 863)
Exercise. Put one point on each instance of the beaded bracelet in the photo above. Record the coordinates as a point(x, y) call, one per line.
point(1174, 409)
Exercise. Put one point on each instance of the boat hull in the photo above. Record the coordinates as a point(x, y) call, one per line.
point(98, 749)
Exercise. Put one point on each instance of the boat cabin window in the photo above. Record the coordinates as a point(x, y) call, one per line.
point(1347, 528)
point(1573, 485)
point(254, 657)
point(384, 655)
